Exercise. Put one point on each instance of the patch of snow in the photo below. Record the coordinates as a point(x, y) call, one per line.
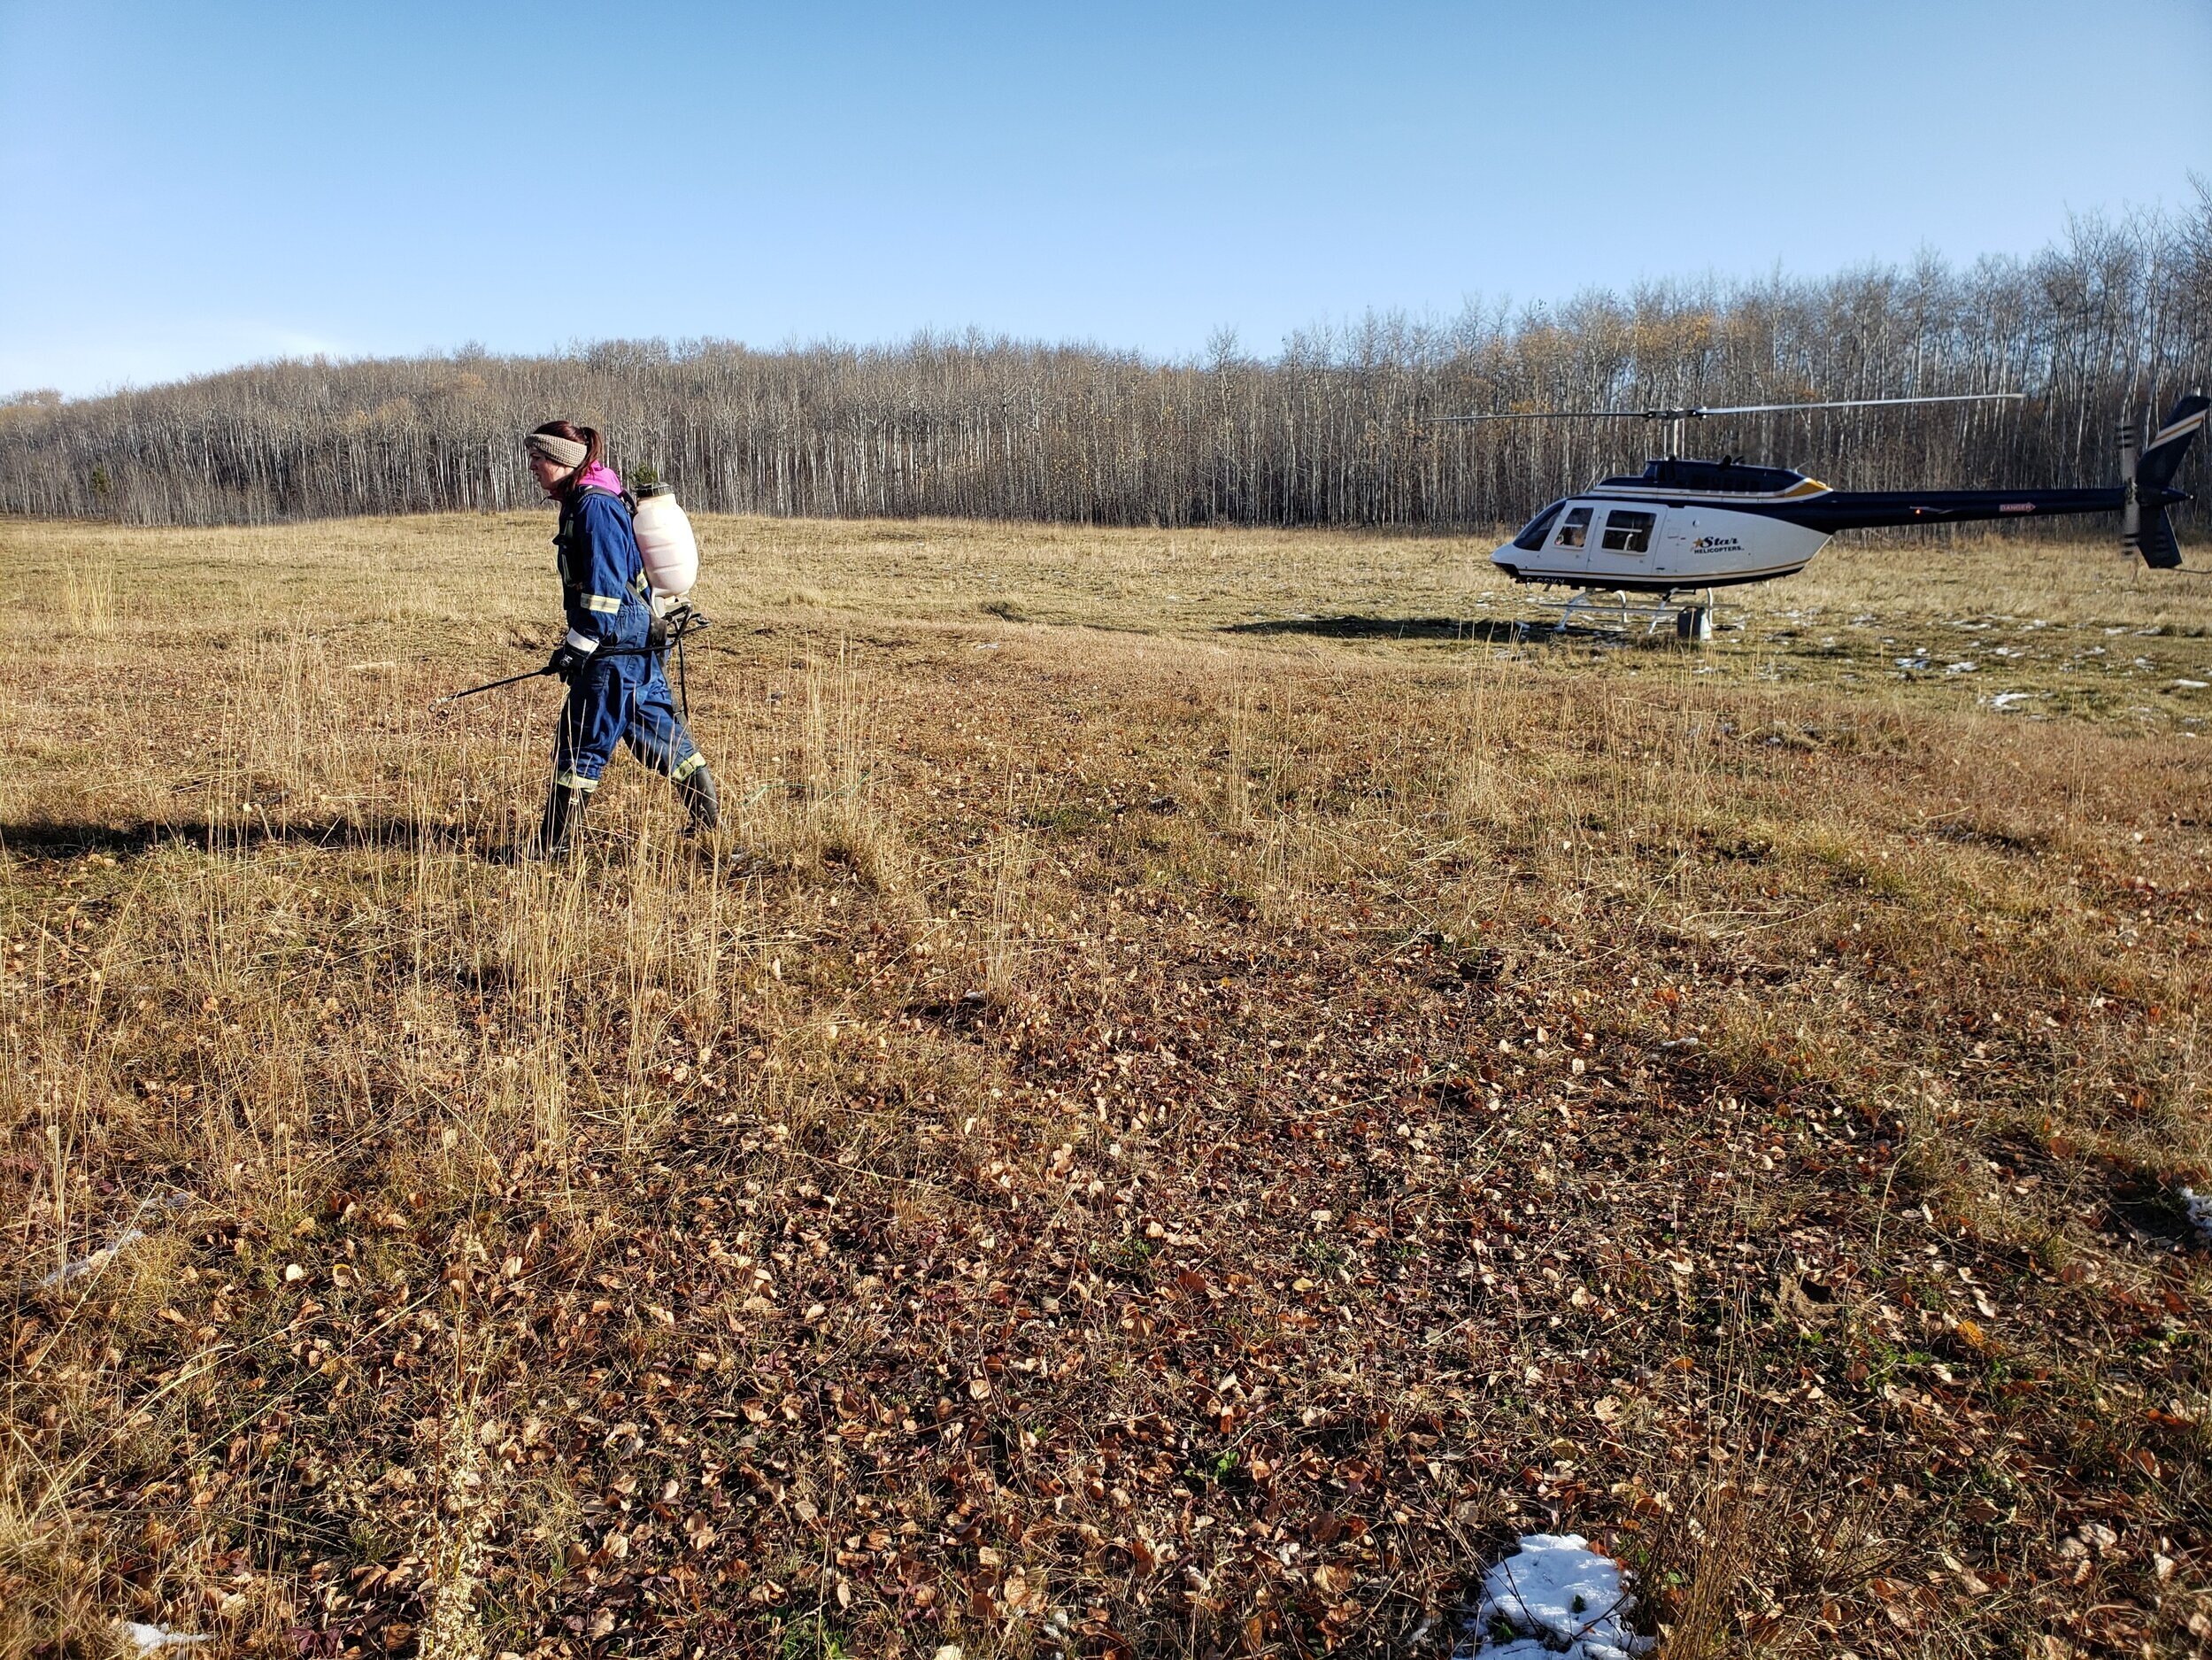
point(1553, 1596)
point(2199, 1212)
point(2190, 686)
point(1959, 668)
point(1917, 661)
point(2010, 699)
point(153, 1638)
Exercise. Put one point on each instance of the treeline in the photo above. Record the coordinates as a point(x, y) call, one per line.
point(1337, 428)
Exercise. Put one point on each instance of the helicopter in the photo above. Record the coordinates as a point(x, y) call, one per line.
point(1683, 527)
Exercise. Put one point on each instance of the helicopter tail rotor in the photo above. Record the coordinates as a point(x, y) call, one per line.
point(2131, 498)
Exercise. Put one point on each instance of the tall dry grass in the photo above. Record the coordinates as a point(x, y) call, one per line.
point(1373, 1087)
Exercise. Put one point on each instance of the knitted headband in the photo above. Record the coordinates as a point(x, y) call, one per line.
point(548, 446)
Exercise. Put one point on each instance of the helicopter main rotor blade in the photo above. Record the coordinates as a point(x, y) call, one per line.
point(1860, 403)
point(1729, 409)
point(1556, 414)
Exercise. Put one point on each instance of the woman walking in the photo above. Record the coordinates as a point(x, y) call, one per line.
point(616, 690)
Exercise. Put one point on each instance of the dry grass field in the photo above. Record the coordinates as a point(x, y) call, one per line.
point(1209, 1084)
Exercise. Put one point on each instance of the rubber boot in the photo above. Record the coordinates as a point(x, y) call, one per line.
point(696, 790)
point(557, 830)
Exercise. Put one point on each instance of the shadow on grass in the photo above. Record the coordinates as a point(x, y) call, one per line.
point(1458, 631)
point(1475, 631)
point(60, 839)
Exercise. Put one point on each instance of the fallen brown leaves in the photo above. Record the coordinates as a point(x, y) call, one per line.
point(1191, 1160)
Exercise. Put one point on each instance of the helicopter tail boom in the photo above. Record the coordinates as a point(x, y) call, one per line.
point(2141, 497)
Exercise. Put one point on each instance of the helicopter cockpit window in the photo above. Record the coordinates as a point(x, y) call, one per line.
point(1574, 531)
point(1531, 537)
point(1627, 532)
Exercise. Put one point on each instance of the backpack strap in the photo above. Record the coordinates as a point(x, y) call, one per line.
point(628, 501)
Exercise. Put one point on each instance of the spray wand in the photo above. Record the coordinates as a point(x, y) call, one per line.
point(490, 685)
point(687, 621)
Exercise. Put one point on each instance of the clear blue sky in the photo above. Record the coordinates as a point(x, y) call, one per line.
point(184, 186)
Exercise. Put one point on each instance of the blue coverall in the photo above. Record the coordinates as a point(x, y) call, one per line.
point(611, 698)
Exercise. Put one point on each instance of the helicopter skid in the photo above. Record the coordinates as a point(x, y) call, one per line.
point(1689, 609)
point(1700, 581)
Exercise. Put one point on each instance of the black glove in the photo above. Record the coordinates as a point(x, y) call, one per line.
point(565, 660)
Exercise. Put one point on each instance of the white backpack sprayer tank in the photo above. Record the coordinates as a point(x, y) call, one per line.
point(670, 550)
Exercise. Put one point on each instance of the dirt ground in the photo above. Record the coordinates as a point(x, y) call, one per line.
point(1211, 1081)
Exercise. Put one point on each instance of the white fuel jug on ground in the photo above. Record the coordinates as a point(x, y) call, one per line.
point(670, 550)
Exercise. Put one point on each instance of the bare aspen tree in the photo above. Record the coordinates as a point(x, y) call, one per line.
point(1338, 427)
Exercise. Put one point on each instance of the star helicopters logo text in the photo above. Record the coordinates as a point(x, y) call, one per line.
point(1715, 543)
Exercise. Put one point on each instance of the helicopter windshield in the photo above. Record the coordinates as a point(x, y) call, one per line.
point(1531, 537)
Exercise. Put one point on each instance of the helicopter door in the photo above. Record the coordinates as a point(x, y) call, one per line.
point(1570, 550)
point(1673, 543)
